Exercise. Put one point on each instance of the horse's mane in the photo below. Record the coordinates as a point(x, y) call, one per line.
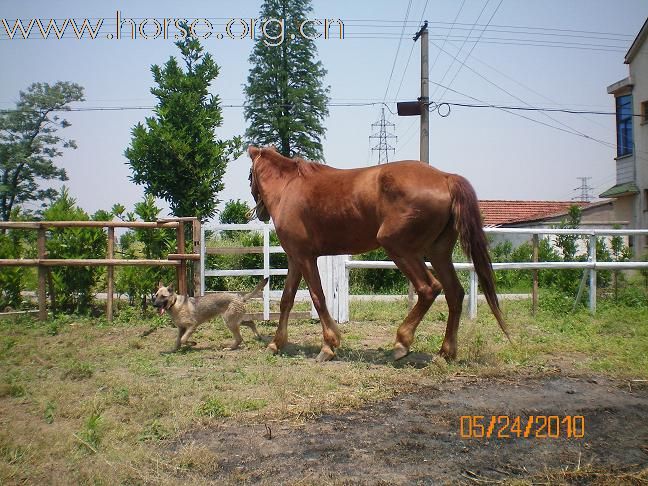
point(304, 167)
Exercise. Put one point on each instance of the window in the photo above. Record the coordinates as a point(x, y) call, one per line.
point(624, 125)
point(644, 112)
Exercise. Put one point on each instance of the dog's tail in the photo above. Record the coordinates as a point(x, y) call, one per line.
point(257, 290)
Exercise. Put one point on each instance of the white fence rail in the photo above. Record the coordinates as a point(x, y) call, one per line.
point(335, 270)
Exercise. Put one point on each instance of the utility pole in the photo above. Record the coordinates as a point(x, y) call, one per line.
point(380, 132)
point(585, 189)
point(424, 100)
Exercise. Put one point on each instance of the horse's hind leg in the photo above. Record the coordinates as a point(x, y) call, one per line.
point(441, 260)
point(427, 288)
point(330, 331)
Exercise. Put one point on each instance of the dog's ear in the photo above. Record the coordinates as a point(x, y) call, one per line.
point(159, 284)
point(171, 287)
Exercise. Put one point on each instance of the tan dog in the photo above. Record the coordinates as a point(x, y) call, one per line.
point(189, 312)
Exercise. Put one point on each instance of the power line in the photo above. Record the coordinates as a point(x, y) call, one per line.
point(364, 104)
point(530, 119)
point(500, 31)
point(524, 86)
point(460, 49)
point(514, 96)
point(448, 34)
point(400, 41)
point(526, 27)
point(463, 63)
point(505, 41)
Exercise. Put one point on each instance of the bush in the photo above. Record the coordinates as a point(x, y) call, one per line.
point(72, 289)
point(140, 282)
point(13, 280)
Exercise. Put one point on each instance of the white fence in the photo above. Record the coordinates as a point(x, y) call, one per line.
point(334, 270)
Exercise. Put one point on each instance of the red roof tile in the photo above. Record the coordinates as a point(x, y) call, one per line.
point(497, 213)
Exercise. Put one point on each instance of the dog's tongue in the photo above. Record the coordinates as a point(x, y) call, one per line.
point(161, 310)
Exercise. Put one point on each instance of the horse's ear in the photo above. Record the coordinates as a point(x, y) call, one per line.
point(253, 151)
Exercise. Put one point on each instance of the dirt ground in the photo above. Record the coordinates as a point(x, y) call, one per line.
point(415, 438)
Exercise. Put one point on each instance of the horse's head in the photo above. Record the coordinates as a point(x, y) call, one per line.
point(255, 154)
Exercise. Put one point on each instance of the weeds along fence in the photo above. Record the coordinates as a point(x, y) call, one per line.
point(335, 270)
point(43, 263)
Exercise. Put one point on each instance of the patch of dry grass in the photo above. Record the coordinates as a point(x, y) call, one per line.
point(83, 402)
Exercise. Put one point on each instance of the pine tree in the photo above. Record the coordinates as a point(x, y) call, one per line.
point(29, 143)
point(175, 155)
point(286, 101)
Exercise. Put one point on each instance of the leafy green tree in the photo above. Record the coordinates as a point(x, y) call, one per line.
point(286, 101)
point(29, 144)
point(175, 155)
point(72, 289)
point(234, 212)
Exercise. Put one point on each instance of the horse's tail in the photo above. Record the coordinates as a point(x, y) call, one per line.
point(468, 223)
point(257, 290)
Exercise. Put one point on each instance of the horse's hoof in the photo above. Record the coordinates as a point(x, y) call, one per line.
point(400, 351)
point(447, 356)
point(272, 347)
point(325, 355)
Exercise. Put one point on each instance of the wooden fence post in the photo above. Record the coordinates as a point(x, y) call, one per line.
point(182, 268)
point(42, 276)
point(110, 274)
point(534, 292)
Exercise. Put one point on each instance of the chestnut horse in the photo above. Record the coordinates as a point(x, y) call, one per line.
point(414, 211)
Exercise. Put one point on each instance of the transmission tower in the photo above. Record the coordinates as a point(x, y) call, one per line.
point(584, 189)
point(382, 131)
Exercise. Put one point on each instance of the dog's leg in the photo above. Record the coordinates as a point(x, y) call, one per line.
point(187, 334)
point(252, 326)
point(233, 325)
point(181, 331)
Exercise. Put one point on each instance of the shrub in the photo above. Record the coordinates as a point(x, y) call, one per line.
point(140, 282)
point(13, 280)
point(72, 288)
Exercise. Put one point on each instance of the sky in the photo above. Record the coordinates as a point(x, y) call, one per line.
point(549, 54)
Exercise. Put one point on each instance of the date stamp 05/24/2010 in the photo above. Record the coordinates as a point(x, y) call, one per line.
point(521, 427)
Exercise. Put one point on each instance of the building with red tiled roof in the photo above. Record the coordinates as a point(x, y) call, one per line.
point(503, 213)
point(544, 214)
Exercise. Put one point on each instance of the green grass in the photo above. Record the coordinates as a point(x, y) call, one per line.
point(97, 402)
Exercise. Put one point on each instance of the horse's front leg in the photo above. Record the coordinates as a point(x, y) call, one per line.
point(287, 300)
point(329, 327)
